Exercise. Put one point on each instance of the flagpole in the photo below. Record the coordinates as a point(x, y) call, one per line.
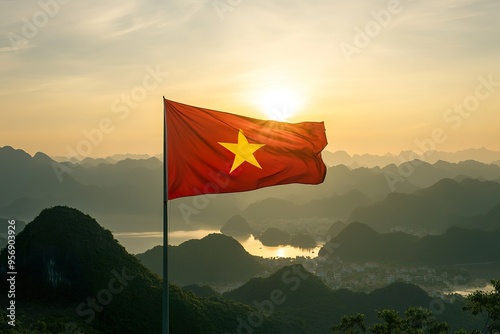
point(165, 308)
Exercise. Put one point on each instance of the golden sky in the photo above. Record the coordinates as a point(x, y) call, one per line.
point(89, 76)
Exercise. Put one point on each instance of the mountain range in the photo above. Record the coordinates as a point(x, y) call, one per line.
point(130, 193)
point(432, 209)
point(297, 293)
point(360, 243)
point(77, 277)
point(483, 155)
point(125, 194)
point(489, 221)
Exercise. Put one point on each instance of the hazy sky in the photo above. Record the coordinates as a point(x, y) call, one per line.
point(381, 74)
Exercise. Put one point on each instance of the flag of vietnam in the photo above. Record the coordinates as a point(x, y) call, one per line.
point(212, 152)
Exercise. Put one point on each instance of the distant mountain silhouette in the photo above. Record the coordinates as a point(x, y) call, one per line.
point(459, 246)
point(201, 212)
point(360, 243)
point(335, 229)
point(419, 173)
point(430, 209)
point(482, 154)
point(471, 168)
point(30, 180)
point(279, 202)
point(423, 174)
point(122, 191)
point(92, 162)
point(65, 257)
point(214, 259)
point(371, 160)
point(372, 182)
point(359, 160)
point(125, 172)
point(334, 207)
point(375, 182)
point(119, 157)
point(236, 226)
point(153, 260)
point(489, 221)
point(125, 192)
point(343, 189)
point(119, 194)
point(38, 182)
point(336, 158)
point(89, 161)
point(271, 208)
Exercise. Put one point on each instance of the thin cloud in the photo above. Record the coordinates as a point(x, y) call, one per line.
point(96, 50)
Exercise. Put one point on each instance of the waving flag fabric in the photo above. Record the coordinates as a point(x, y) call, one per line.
point(211, 152)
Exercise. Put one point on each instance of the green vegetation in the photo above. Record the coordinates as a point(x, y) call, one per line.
point(215, 315)
point(68, 261)
point(41, 318)
point(488, 305)
point(71, 270)
point(214, 259)
point(418, 320)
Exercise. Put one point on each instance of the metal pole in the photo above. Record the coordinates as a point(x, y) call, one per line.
point(165, 309)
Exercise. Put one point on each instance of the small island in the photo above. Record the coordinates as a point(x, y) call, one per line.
point(302, 240)
point(236, 227)
point(273, 237)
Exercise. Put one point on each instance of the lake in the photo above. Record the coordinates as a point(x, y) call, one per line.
point(139, 242)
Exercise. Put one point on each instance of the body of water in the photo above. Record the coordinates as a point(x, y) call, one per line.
point(139, 242)
point(467, 291)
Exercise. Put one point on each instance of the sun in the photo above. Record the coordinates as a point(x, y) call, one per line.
point(279, 104)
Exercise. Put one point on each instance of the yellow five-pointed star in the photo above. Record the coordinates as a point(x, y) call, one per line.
point(243, 151)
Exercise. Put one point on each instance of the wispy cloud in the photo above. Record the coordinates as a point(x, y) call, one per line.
point(94, 50)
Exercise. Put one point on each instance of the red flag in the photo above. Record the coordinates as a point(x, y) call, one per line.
point(211, 152)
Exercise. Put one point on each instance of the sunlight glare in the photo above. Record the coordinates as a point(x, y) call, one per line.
point(280, 252)
point(279, 105)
